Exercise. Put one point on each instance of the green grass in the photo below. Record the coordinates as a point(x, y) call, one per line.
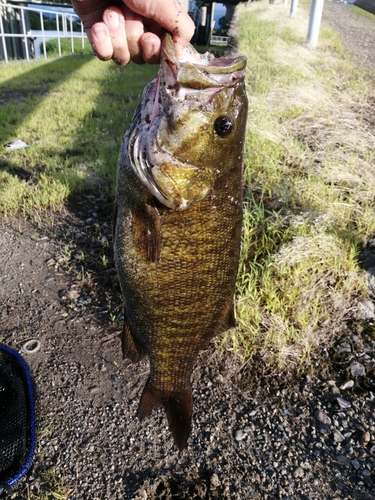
point(73, 113)
point(310, 177)
point(52, 47)
point(360, 12)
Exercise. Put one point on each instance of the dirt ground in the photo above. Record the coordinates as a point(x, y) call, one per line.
point(59, 286)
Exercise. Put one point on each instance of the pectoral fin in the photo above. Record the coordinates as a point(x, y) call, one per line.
point(153, 234)
point(146, 230)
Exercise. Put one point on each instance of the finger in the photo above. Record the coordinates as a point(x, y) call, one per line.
point(171, 16)
point(100, 40)
point(150, 44)
point(114, 20)
point(134, 30)
point(90, 12)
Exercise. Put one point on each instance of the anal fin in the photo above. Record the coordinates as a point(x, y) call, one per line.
point(229, 320)
point(131, 348)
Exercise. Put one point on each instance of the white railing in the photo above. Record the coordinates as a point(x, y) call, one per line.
point(219, 40)
point(19, 41)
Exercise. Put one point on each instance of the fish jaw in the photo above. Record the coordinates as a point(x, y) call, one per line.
point(185, 98)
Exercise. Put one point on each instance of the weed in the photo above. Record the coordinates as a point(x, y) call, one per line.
point(310, 194)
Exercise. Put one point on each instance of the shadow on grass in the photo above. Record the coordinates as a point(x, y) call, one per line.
point(33, 85)
point(68, 154)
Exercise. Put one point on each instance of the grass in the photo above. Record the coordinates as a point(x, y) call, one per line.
point(52, 47)
point(360, 12)
point(309, 171)
point(310, 178)
point(73, 113)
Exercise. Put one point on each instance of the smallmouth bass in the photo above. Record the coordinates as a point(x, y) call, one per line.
point(178, 221)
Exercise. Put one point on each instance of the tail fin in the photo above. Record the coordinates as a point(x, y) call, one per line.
point(178, 407)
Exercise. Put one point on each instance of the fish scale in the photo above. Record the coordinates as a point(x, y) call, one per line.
point(178, 222)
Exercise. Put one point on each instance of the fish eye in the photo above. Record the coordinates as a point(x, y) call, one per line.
point(223, 125)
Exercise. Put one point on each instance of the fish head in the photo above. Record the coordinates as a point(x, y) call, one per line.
point(192, 121)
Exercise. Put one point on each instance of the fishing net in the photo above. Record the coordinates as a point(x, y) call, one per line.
point(17, 418)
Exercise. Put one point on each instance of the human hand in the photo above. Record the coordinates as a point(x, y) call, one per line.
point(130, 31)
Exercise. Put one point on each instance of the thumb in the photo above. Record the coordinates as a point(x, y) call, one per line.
point(169, 15)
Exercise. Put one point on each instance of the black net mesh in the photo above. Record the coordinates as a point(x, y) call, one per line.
point(14, 416)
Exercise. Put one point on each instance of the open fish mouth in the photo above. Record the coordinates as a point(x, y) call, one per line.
point(181, 86)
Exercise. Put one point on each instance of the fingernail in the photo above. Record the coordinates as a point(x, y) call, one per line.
point(99, 32)
point(112, 20)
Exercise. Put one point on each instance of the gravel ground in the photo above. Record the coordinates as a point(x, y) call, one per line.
point(357, 32)
point(310, 437)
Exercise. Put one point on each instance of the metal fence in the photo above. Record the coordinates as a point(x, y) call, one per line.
point(219, 40)
point(20, 41)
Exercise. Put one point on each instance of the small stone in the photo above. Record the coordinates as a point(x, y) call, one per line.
point(141, 495)
point(322, 419)
point(338, 437)
point(356, 464)
point(299, 472)
point(83, 300)
point(94, 389)
point(366, 473)
point(364, 438)
point(342, 459)
point(63, 293)
point(214, 481)
point(51, 262)
point(240, 435)
point(366, 310)
point(347, 385)
point(357, 369)
point(114, 381)
point(343, 402)
point(344, 347)
point(47, 280)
